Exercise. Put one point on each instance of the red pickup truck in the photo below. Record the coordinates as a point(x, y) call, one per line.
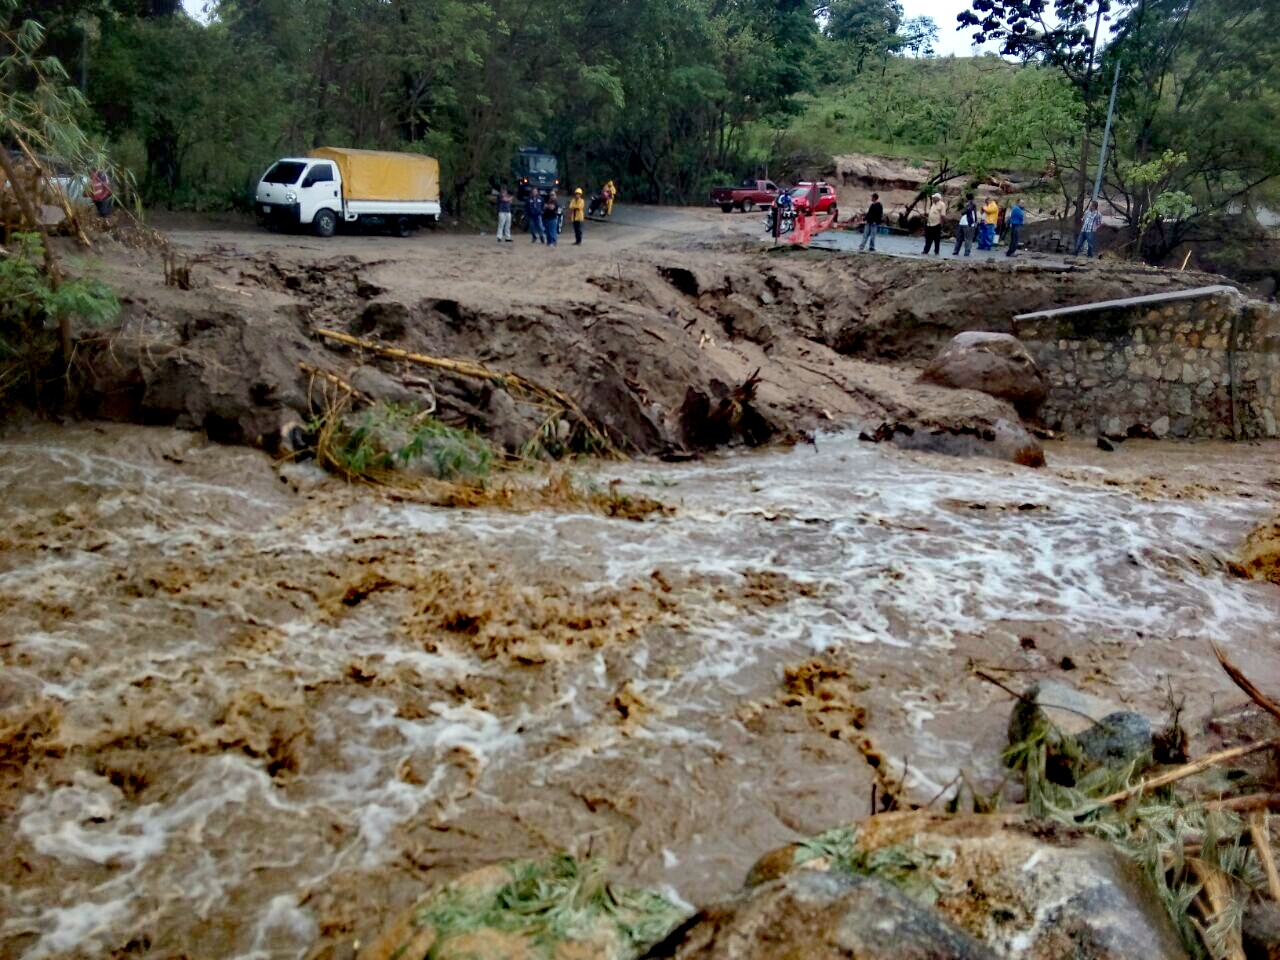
point(748, 196)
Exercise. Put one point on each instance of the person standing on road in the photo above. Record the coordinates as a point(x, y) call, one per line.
point(1016, 216)
point(504, 216)
point(933, 224)
point(577, 213)
point(100, 192)
point(551, 218)
point(871, 226)
point(991, 214)
point(610, 193)
point(966, 227)
point(1089, 230)
point(533, 213)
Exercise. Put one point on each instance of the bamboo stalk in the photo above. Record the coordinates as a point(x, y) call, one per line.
point(333, 378)
point(1244, 683)
point(512, 382)
point(1216, 889)
point(1262, 844)
point(1185, 770)
point(1246, 802)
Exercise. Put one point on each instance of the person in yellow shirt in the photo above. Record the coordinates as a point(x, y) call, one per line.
point(577, 213)
point(991, 214)
point(610, 193)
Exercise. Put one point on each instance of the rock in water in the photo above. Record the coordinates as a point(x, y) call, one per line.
point(1104, 733)
point(821, 916)
point(1026, 889)
point(1002, 440)
point(993, 363)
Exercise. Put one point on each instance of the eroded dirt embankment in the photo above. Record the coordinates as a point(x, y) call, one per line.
point(651, 343)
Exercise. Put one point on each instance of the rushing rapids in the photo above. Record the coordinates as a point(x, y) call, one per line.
point(244, 710)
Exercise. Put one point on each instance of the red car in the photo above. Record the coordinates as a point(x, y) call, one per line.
point(827, 200)
point(752, 194)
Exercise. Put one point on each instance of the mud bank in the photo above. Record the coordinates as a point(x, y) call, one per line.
point(646, 340)
point(247, 717)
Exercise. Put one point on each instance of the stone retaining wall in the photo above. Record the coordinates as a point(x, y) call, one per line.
point(1201, 363)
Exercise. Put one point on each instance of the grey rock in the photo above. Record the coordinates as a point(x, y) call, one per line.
point(994, 363)
point(1261, 930)
point(1160, 427)
point(1105, 733)
point(1002, 440)
point(821, 916)
point(1118, 736)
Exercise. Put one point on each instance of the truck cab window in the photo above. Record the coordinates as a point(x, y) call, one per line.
point(285, 172)
point(320, 173)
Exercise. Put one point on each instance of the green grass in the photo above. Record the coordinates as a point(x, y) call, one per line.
point(552, 901)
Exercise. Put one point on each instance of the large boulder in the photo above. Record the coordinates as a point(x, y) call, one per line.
point(993, 363)
point(820, 916)
point(1027, 889)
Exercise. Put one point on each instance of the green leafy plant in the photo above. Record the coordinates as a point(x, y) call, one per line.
point(551, 901)
point(370, 443)
point(31, 310)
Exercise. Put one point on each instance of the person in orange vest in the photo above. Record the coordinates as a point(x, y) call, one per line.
point(577, 213)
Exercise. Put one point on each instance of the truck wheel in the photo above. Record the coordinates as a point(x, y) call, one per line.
point(403, 227)
point(726, 207)
point(325, 223)
point(748, 206)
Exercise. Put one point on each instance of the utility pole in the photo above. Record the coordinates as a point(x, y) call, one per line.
point(1106, 133)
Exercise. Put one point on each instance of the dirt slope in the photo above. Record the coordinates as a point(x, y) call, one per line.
point(649, 316)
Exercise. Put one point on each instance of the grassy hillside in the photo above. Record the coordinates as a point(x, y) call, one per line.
point(979, 112)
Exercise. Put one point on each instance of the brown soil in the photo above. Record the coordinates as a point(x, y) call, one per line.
point(649, 327)
point(1260, 555)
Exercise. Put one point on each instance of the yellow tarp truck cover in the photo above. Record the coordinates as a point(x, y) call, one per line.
point(383, 175)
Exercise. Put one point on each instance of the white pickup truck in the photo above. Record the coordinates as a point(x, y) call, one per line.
point(333, 185)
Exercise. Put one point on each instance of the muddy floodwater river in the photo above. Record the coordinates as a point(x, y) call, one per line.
point(246, 712)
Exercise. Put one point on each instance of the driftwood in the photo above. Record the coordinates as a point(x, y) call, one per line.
point(1262, 845)
point(513, 383)
point(1206, 762)
point(1245, 684)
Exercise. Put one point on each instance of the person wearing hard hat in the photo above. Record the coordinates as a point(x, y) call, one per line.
point(610, 193)
point(577, 213)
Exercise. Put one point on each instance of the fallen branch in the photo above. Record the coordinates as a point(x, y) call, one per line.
point(512, 382)
point(1185, 770)
point(333, 378)
point(1246, 803)
point(1244, 683)
point(1262, 844)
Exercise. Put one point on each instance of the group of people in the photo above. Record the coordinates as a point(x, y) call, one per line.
point(988, 224)
point(545, 216)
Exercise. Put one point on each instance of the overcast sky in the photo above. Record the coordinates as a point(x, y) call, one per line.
point(944, 13)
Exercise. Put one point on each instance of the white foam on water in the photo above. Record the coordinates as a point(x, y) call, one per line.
point(899, 567)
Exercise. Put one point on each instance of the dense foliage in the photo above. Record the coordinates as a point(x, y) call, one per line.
point(669, 96)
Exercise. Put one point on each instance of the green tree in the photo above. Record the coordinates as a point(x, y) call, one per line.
point(1064, 34)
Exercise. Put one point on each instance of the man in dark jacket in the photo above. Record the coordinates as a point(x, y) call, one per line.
point(1016, 217)
point(533, 213)
point(871, 226)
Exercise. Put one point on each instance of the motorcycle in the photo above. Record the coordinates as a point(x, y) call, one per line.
point(786, 223)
